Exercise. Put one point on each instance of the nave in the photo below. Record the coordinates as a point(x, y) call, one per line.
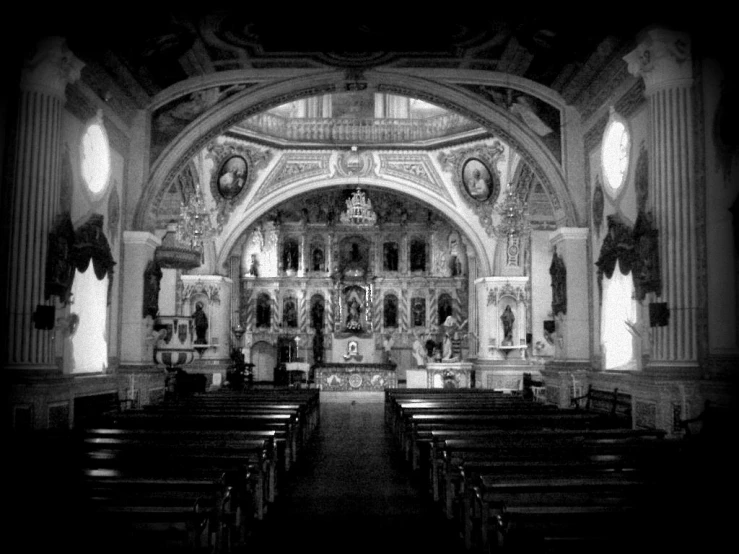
point(352, 491)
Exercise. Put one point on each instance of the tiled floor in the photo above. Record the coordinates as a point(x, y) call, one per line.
point(351, 491)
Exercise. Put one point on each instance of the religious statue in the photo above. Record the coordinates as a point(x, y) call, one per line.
point(419, 352)
point(201, 324)
point(387, 347)
point(352, 318)
point(254, 268)
point(508, 318)
point(446, 348)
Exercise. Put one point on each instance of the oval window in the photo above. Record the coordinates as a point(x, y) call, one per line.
point(615, 153)
point(95, 157)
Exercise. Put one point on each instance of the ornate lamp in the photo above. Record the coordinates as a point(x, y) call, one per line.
point(195, 225)
point(513, 212)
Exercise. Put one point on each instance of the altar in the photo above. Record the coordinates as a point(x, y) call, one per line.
point(449, 375)
point(353, 376)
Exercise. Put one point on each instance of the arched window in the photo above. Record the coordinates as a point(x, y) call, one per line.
point(390, 310)
point(617, 320)
point(264, 310)
point(445, 308)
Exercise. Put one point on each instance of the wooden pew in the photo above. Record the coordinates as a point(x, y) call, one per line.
point(451, 449)
point(246, 463)
point(566, 511)
point(157, 511)
point(284, 425)
point(489, 419)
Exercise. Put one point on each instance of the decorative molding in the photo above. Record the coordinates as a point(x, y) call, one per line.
point(220, 153)
point(416, 168)
point(355, 164)
point(663, 59)
point(456, 160)
point(50, 67)
point(293, 167)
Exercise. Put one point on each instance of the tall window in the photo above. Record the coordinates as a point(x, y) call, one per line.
point(90, 306)
point(617, 319)
point(95, 157)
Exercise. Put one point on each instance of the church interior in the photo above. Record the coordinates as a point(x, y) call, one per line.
point(520, 208)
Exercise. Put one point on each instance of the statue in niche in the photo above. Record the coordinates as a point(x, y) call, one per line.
point(316, 314)
point(508, 318)
point(558, 271)
point(354, 266)
point(387, 347)
point(352, 317)
point(446, 348)
point(152, 278)
point(254, 267)
point(419, 312)
point(419, 351)
point(317, 259)
point(264, 311)
point(290, 315)
point(444, 307)
point(390, 311)
point(201, 324)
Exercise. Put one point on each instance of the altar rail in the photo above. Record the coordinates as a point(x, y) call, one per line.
point(355, 377)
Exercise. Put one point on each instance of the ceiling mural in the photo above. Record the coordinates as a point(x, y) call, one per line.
point(168, 120)
point(540, 117)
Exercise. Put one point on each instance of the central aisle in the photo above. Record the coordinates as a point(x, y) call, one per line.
point(350, 490)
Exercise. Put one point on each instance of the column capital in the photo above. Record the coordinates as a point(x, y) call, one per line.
point(568, 234)
point(50, 67)
point(663, 59)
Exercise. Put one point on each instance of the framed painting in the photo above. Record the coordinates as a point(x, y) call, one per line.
point(232, 177)
point(477, 179)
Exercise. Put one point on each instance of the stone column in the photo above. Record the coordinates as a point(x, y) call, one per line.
point(664, 61)
point(572, 328)
point(473, 327)
point(137, 340)
point(35, 196)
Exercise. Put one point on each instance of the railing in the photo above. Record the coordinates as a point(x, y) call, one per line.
point(365, 130)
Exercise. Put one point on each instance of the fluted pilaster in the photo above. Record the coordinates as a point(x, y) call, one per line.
point(664, 61)
point(35, 195)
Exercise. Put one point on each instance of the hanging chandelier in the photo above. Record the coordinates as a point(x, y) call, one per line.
point(513, 211)
point(359, 210)
point(195, 226)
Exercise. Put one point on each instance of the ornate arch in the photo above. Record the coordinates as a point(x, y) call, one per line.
point(257, 98)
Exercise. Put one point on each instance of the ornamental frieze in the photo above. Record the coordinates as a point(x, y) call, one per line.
point(293, 167)
point(416, 168)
